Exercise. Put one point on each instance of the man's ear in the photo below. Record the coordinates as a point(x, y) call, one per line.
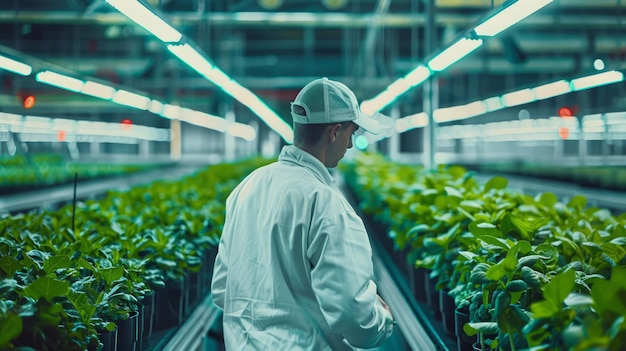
point(334, 130)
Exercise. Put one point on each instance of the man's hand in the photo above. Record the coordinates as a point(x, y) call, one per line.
point(382, 302)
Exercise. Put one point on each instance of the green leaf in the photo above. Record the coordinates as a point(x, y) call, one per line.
point(7, 285)
point(559, 287)
point(494, 241)
point(550, 253)
point(453, 192)
point(110, 326)
point(47, 288)
point(522, 226)
point(532, 277)
point(9, 265)
point(547, 199)
point(496, 182)
point(576, 299)
point(53, 263)
point(456, 171)
point(469, 255)
point(112, 274)
point(605, 293)
point(480, 229)
point(10, 328)
point(486, 328)
point(510, 261)
point(578, 201)
point(78, 299)
point(472, 204)
point(496, 272)
point(517, 285)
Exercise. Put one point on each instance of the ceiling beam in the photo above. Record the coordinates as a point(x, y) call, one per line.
point(305, 19)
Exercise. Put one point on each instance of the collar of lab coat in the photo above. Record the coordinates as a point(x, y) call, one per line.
point(294, 155)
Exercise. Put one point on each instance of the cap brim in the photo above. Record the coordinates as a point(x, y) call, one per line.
point(369, 123)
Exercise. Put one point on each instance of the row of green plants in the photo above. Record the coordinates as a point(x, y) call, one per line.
point(65, 281)
point(533, 272)
point(22, 173)
point(606, 177)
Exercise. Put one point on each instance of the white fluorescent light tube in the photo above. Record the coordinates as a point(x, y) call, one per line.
point(258, 107)
point(454, 53)
point(60, 80)
point(509, 16)
point(221, 79)
point(10, 119)
point(37, 122)
point(552, 89)
point(270, 118)
point(171, 111)
point(98, 90)
point(596, 80)
point(407, 123)
point(196, 61)
point(191, 57)
point(15, 66)
point(66, 125)
point(127, 98)
point(493, 103)
point(398, 87)
point(203, 120)
point(241, 130)
point(147, 19)
point(156, 107)
point(456, 113)
point(418, 75)
point(378, 102)
point(519, 97)
point(395, 89)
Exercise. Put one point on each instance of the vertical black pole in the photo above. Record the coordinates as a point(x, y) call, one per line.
point(74, 202)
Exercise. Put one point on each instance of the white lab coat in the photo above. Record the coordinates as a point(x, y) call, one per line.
point(294, 264)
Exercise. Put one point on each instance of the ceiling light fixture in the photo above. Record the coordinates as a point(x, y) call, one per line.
point(417, 120)
point(552, 89)
point(98, 90)
point(395, 89)
point(194, 59)
point(596, 80)
point(509, 16)
point(156, 107)
point(241, 130)
point(60, 80)
point(171, 111)
point(15, 66)
point(454, 113)
point(519, 97)
point(454, 53)
point(124, 97)
point(204, 120)
point(147, 19)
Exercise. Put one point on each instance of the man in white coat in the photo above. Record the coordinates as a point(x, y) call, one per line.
point(294, 264)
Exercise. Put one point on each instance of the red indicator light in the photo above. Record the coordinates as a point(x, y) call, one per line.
point(566, 112)
point(29, 102)
point(127, 124)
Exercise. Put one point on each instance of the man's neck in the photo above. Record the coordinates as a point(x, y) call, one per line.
point(316, 150)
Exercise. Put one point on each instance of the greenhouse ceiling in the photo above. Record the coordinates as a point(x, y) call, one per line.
point(273, 47)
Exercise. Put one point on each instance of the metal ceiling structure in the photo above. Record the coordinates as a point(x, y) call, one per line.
point(274, 47)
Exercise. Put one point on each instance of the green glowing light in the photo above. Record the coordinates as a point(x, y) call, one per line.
point(361, 142)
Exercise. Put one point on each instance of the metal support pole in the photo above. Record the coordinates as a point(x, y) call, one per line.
point(430, 91)
point(394, 138)
point(175, 140)
point(229, 140)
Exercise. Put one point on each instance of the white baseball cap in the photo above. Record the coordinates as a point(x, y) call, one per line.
point(328, 101)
